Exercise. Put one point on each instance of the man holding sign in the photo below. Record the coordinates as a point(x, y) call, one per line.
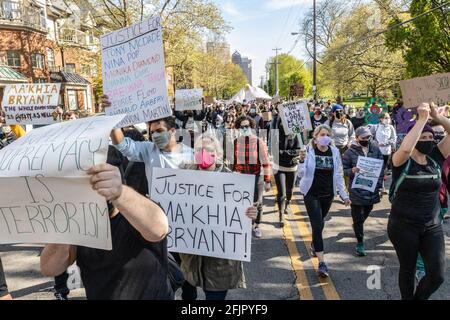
point(363, 165)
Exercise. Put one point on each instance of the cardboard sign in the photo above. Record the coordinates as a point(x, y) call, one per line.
point(435, 88)
point(189, 99)
point(134, 76)
point(267, 116)
point(295, 117)
point(31, 103)
point(45, 193)
point(206, 211)
point(370, 171)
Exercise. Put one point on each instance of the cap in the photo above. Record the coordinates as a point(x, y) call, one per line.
point(363, 132)
point(336, 107)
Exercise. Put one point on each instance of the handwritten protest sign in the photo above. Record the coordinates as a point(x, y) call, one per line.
point(134, 75)
point(206, 211)
point(370, 170)
point(435, 88)
point(189, 99)
point(45, 193)
point(31, 103)
point(295, 117)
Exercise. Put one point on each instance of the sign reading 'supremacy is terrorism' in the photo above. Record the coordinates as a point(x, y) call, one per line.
point(134, 75)
point(31, 103)
point(206, 211)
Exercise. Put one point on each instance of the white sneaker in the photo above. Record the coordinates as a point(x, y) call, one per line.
point(257, 233)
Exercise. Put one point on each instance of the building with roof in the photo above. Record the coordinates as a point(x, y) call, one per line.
point(50, 41)
point(245, 64)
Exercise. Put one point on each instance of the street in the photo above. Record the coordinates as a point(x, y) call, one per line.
point(281, 268)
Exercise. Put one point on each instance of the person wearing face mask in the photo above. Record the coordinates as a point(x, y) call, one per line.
point(317, 119)
point(320, 175)
point(285, 167)
point(439, 135)
point(259, 121)
point(386, 137)
point(362, 200)
point(414, 225)
point(215, 276)
point(251, 157)
point(359, 120)
point(343, 130)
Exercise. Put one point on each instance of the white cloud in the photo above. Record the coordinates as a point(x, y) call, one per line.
point(231, 9)
point(283, 4)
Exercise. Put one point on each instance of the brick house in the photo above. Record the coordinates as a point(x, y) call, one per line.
point(50, 41)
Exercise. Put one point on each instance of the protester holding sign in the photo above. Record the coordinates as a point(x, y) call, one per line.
point(214, 275)
point(285, 167)
point(251, 157)
point(362, 200)
point(414, 225)
point(320, 176)
point(131, 271)
point(342, 128)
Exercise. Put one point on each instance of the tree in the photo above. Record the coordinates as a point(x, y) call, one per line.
point(291, 71)
point(425, 42)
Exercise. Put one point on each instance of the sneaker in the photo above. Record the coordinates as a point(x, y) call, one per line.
point(288, 210)
point(312, 251)
point(60, 296)
point(360, 251)
point(323, 270)
point(257, 233)
point(419, 275)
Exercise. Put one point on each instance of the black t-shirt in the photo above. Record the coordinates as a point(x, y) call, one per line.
point(417, 200)
point(323, 176)
point(134, 270)
point(316, 123)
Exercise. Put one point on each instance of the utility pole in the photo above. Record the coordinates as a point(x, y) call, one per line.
point(314, 51)
point(262, 82)
point(276, 71)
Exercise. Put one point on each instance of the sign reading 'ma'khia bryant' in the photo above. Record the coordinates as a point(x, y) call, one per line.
point(31, 103)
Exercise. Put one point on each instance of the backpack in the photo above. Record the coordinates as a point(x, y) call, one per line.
point(395, 186)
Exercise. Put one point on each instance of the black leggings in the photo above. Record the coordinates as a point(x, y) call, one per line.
point(409, 240)
point(318, 208)
point(3, 286)
point(285, 184)
point(360, 215)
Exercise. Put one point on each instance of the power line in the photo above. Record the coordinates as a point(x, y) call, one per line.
point(285, 24)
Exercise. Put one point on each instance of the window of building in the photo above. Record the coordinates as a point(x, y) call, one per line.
point(70, 67)
point(73, 100)
point(39, 80)
point(86, 70)
point(50, 59)
point(37, 60)
point(13, 58)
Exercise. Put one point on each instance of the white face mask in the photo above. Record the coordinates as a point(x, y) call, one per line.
point(386, 122)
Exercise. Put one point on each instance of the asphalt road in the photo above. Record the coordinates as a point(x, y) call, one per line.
point(281, 266)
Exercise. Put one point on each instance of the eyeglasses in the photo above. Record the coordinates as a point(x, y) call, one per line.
point(245, 127)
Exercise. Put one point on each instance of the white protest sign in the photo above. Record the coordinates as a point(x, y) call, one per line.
point(65, 149)
point(295, 117)
point(45, 193)
point(53, 210)
point(31, 103)
point(206, 211)
point(188, 99)
point(370, 170)
point(434, 88)
point(134, 75)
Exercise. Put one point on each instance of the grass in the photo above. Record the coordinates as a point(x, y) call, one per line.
point(361, 102)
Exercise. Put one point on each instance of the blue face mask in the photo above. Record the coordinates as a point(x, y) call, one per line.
point(161, 139)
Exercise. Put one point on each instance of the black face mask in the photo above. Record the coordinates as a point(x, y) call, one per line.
point(364, 143)
point(338, 115)
point(425, 147)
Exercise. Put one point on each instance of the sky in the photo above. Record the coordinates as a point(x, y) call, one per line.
point(262, 25)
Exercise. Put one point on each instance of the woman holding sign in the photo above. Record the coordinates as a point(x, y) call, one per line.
point(214, 275)
point(320, 175)
point(414, 225)
point(362, 199)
